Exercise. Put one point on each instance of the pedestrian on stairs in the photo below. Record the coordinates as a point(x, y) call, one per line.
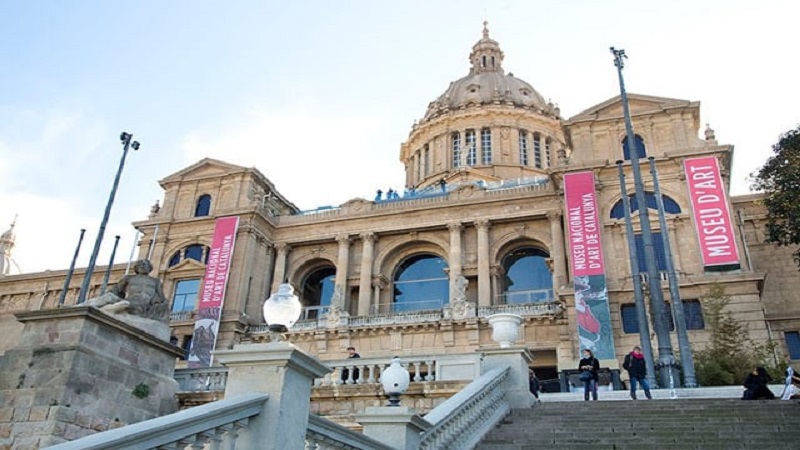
point(533, 384)
point(637, 372)
point(591, 365)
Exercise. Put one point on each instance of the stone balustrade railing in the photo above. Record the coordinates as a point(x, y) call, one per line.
point(324, 434)
point(213, 425)
point(544, 309)
point(456, 367)
point(463, 419)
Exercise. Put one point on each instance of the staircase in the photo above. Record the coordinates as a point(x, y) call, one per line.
point(657, 424)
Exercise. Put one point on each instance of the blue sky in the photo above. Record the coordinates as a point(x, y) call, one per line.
point(302, 89)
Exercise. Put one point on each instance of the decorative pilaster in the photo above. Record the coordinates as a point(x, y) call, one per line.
point(484, 281)
point(557, 252)
point(280, 264)
point(365, 280)
point(341, 272)
point(455, 256)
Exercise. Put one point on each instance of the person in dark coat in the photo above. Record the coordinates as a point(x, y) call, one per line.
point(351, 353)
point(637, 371)
point(533, 384)
point(755, 385)
point(592, 365)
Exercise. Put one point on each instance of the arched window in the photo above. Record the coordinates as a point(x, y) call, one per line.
point(527, 279)
point(318, 292)
point(670, 205)
point(195, 252)
point(639, 145)
point(203, 207)
point(175, 259)
point(420, 283)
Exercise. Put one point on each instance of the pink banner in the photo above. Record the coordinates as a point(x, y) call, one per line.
point(212, 293)
point(583, 224)
point(712, 218)
point(588, 269)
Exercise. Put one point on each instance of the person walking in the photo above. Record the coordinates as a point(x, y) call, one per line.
point(637, 372)
point(533, 384)
point(589, 366)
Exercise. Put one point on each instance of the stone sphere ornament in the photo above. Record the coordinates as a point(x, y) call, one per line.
point(395, 380)
point(282, 309)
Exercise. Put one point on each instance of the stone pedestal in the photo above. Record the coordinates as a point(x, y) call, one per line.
point(397, 426)
point(516, 385)
point(286, 374)
point(78, 371)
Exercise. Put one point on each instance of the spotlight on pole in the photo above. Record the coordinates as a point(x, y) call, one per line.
point(125, 138)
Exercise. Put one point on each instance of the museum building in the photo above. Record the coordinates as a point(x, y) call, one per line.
point(483, 226)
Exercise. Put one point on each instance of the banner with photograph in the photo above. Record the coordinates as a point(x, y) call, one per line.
point(588, 267)
point(712, 217)
point(212, 292)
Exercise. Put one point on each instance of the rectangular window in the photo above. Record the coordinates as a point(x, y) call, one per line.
point(486, 145)
point(537, 151)
point(418, 162)
point(456, 141)
point(792, 343)
point(658, 247)
point(693, 313)
point(427, 160)
point(523, 147)
point(472, 151)
point(185, 297)
point(547, 161)
point(630, 324)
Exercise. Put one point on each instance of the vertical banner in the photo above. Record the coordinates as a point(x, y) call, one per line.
point(588, 268)
point(212, 292)
point(712, 218)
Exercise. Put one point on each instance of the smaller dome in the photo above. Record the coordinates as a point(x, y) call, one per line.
point(487, 83)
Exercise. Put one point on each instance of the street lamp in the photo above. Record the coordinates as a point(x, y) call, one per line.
point(666, 358)
point(281, 311)
point(395, 380)
point(126, 142)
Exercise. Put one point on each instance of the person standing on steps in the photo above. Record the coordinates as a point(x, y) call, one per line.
point(533, 384)
point(589, 365)
point(351, 353)
point(637, 371)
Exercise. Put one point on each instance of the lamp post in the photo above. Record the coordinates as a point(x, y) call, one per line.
point(281, 311)
point(126, 143)
point(395, 380)
point(666, 358)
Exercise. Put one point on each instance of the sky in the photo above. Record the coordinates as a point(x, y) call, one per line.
point(319, 95)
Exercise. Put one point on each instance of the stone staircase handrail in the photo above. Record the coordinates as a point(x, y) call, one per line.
point(465, 418)
point(198, 425)
point(323, 433)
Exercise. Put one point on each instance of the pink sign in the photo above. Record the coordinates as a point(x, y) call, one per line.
point(712, 218)
point(212, 293)
point(583, 224)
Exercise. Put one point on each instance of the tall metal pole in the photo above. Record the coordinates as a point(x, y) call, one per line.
point(641, 313)
point(63, 295)
point(126, 141)
point(133, 248)
point(687, 360)
point(666, 359)
point(110, 263)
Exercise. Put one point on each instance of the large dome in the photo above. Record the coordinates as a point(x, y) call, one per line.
point(488, 84)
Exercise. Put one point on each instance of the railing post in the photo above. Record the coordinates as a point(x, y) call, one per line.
point(286, 374)
point(516, 385)
point(398, 425)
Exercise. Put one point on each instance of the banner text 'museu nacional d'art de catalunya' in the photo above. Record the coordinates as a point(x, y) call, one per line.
point(712, 217)
point(212, 292)
point(588, 268)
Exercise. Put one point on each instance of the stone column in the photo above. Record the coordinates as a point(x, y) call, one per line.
point(286, 374)
point(280, 265)
point(340, 290)
point(455, 255)
point(365, 280)
point(376, 295)
point(484, 281)
point(557, 251)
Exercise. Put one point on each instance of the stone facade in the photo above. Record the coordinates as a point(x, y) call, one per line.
point(470, 213)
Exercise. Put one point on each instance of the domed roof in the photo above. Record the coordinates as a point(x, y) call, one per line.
point(487, 84)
